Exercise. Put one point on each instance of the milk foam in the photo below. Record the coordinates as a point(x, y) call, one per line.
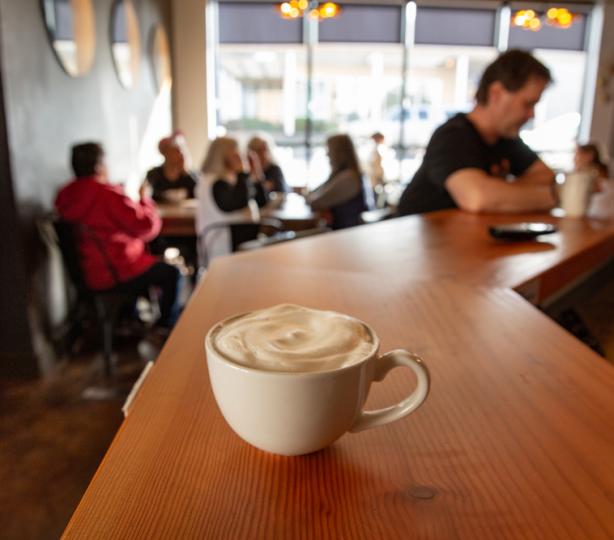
point(294, 338)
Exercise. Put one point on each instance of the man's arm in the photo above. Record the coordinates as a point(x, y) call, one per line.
point(537, 173)
point(475, 191)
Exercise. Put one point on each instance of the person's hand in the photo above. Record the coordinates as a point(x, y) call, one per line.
point(255, 167)
point(145, 190)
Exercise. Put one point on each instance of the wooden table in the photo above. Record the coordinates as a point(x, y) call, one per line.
point(514, 441)
point(291, 209)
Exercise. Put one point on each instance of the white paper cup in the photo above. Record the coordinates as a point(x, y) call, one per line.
point(575, 193)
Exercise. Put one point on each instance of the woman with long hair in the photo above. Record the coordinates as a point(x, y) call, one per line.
point(226, 194)
point(344, 194)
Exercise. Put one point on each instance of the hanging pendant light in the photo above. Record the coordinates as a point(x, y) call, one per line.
point(294, 9)
point(556, 17)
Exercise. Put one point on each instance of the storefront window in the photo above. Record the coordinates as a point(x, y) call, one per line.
point(357, 76)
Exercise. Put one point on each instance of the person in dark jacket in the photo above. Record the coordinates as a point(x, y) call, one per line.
point(273, 175)
point(112, 231)
point(345, 194)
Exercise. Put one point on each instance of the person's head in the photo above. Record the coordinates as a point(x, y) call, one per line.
point(341, 153)
point(87, 160)
point(378, 137)
point(223, 157)
point(587, 155)
point(509, 90)
point(173, 148)
point(260, 146)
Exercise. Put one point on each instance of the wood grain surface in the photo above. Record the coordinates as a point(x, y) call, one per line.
point(453, 244)
point(514, 441)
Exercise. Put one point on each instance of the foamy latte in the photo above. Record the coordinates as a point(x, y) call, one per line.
point(293, 338)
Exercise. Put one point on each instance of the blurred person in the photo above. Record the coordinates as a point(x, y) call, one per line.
point(172, 181)
point(273, 175)
point(112, 231)
point(477, 161)
point(227, 193)
point(344, 194)
point(379, 155)
point(375, 165)
point(587, 157)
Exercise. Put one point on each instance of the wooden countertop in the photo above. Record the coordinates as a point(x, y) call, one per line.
point(514, 441)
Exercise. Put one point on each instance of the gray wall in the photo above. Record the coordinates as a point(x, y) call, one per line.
point(15, 343)
point(46, 112)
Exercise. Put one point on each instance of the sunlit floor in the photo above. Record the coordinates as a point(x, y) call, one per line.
point(52, 438)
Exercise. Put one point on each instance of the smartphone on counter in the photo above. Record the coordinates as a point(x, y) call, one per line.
point(521, 231)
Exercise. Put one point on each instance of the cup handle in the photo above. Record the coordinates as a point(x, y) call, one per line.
point(396, 358)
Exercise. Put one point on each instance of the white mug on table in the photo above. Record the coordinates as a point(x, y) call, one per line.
point(283, 385)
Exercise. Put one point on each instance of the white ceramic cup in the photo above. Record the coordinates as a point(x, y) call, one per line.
point(575, 192)
point(294, 413)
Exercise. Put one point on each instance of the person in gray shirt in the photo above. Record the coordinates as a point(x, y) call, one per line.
point(344, 195)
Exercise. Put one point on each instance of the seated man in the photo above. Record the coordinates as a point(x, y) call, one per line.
point(172, 181)
point(112, 233)
point(476, 161)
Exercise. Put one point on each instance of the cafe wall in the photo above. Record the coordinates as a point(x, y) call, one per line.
point(46, 112)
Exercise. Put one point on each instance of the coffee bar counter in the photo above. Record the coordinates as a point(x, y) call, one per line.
point(515, 439)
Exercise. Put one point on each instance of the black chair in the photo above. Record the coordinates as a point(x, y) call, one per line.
point(106, 305)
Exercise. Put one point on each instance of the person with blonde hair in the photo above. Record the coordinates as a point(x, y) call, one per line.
point(344, 194)
point(227, 194)
point(274, 177)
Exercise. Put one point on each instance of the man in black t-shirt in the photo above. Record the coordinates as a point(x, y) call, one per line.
point(476, 161)
point(172, 181)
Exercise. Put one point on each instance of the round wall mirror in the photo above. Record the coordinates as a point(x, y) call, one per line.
point(161, 57)
point(72, 33)
point(125, 42)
